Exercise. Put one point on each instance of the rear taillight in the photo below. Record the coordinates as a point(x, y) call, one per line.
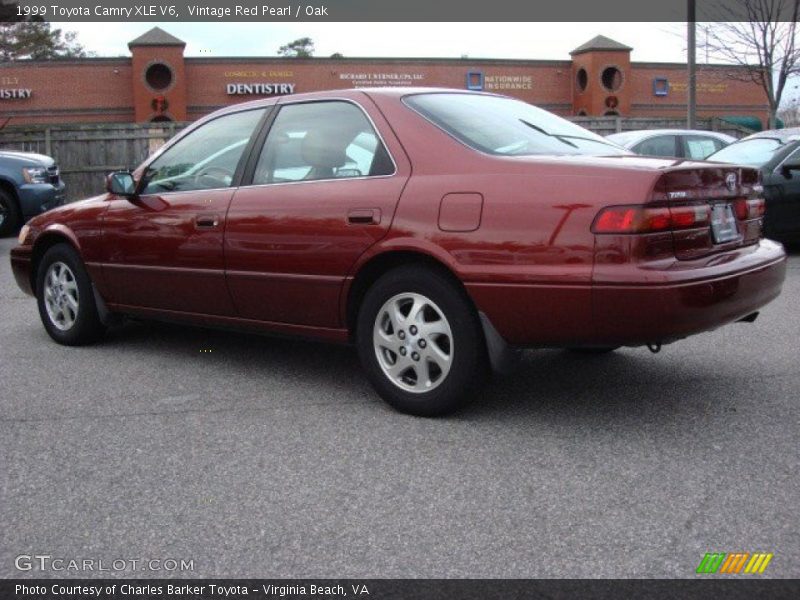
point(646, 219)
point(676, 219)
point(749, 208)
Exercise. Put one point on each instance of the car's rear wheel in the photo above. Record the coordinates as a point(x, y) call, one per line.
point(420, 341)
point(66, 299)
point(9, 214)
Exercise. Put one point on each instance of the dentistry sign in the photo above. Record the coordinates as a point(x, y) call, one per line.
point(10, 90)
point(259, 89)
point(15, 93)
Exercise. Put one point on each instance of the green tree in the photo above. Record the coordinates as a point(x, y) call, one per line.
point(300, 48)
point(37, 40)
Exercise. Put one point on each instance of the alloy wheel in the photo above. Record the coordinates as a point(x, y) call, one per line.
point(413, 342)
point(61, 296)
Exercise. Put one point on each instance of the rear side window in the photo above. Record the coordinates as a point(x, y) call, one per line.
point(321, 140)
point(661, 145)
point(699, 147)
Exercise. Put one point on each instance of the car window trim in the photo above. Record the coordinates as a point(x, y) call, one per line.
point(244, 160)
point(252, 163)
point(259, 140)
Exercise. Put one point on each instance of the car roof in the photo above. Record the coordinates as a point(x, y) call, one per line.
point(347, 93)
point(20, 155)
point(626, 137)
point(396, 91)
point(788, 134)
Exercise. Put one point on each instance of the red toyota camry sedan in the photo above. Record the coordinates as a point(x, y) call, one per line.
point(437, 230)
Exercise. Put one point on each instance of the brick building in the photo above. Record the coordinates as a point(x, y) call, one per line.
point(158, 83)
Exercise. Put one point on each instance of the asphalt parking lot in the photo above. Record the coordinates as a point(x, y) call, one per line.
point(259, 457)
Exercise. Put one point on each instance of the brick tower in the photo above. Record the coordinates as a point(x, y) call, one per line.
point(159, 77)
point(600, 78)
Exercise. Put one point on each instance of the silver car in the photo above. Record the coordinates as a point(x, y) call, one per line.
point(693, 144)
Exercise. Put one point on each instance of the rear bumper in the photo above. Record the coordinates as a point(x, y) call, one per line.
point(688, 297)
point(21, 267)
point(631, 304)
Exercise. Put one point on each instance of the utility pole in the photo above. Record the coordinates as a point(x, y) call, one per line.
point(691, 117)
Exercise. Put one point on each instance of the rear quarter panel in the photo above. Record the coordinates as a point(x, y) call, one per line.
point(528, 266)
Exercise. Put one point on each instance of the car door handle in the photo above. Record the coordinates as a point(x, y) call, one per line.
point(364, 216)
point(206, 221)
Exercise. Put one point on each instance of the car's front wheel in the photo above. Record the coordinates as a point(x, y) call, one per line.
point(66, 299)
point(420, 341)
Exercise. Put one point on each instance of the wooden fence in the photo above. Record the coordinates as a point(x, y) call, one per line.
point(86, 153)
point(609, 125)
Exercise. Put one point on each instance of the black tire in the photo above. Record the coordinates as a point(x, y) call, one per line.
point(9, 214)
point(465, 343)
point(86, 326)
point(593, 351)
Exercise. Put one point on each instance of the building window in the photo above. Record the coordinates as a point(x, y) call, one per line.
point(582, 79)
point(611, 113)
point(611, 78)
point(158, 76)
point(660, 86)
point(475, 81)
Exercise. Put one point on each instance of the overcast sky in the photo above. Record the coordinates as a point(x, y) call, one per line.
point(650, 41)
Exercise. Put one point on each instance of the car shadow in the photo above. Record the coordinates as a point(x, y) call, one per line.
point(792, 248)
point(564, 385)
point(553, 385)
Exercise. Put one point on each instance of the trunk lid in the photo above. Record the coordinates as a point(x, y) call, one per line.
point(725, 199)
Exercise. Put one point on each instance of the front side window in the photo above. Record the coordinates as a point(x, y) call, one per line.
point(321, 140)
point(502, 126)
point(662, 145)
point(206, 158)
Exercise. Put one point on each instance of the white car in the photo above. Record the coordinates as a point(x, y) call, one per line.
point(694, 144)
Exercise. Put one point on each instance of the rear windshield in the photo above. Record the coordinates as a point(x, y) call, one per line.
point(755, 152)
point(507, 127)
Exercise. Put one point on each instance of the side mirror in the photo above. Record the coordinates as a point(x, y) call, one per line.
point(121, 183)
point(789, 166)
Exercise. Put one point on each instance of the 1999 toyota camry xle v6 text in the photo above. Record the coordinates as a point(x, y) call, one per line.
point(435, 229)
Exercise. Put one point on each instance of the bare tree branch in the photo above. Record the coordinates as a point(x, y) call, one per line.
point(763, 48)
